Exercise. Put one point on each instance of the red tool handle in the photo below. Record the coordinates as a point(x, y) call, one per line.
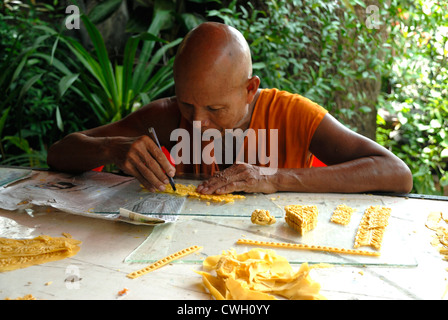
point(168, 155)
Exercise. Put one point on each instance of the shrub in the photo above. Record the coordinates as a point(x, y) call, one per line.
point(418, 93)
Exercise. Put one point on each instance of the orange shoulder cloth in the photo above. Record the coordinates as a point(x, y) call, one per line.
point(279, 134)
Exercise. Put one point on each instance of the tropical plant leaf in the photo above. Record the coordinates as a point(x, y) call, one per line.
point(103, 58)
point(3, 120)
point(65, 83)
point(104, 10)
point(59, 121)
point(159, 20)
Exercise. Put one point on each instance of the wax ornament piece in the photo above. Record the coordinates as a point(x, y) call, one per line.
point(372, 226)
point(262, 217)
point(301, 218)
point(342, 214)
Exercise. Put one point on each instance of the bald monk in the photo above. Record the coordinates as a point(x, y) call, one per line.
point(216, 89)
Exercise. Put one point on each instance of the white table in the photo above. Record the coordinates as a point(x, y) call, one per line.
point(98, 271)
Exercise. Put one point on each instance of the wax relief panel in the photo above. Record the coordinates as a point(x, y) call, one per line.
point(212, 146)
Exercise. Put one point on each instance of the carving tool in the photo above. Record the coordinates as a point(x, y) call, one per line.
point(153, 134)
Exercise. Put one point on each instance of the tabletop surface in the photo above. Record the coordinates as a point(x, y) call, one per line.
point(99, 270)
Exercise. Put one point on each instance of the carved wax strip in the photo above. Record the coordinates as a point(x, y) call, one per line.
point(298, 246)
point(164, 261)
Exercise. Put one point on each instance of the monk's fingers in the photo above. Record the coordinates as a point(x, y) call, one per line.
point(145, 174)
point(242, 184)
point(145, 182)
point(151, 171)
point(140, 162)
point(229, 179)
point(158, 155)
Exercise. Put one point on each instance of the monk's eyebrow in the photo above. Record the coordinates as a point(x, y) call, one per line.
point(217, 106)
point(187, 104)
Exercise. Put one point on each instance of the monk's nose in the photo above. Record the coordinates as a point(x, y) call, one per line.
point(201, 118)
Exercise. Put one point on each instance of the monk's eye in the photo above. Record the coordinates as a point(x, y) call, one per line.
point(214, 109)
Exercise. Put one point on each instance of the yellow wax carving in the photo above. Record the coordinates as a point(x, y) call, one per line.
point(438, 222)
point(17, 254)
point(190, 191)
point(342, 214)
point(301, 218)
point(299, 246)
point(372, 226)
point(162, 262)
point(262, 217)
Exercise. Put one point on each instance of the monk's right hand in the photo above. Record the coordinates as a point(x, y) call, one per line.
point(142, 158)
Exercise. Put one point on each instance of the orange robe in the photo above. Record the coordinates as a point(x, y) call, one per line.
point(295, 117)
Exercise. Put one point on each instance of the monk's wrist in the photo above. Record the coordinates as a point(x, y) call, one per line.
point(271, 178)
point(286, 180)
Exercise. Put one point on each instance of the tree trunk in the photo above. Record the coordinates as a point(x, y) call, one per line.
point(370, 89)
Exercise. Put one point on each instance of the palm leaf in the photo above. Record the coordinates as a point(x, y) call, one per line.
point(103, 59)
point(159, 20)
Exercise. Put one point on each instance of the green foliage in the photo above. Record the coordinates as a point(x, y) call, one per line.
point(28, 109)
point(418, 94)
point(312, 47)
point(51, 83)
point(104, 10)
point(320, 49)
point(112, 91)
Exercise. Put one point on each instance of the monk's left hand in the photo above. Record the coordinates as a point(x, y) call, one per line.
point(239, 177)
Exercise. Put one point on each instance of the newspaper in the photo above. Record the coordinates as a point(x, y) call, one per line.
point(94, 194)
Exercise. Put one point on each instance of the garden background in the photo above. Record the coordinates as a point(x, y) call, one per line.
point(378, 66)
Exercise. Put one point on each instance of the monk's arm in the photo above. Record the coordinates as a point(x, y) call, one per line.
point(124, 143)
point(354, 164)
point(82, 151)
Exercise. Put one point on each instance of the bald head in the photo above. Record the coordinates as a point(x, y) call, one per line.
point(213, 50)
point(213, 77)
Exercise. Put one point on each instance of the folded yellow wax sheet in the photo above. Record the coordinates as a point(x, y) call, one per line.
point(259, 274)
point(17, 254)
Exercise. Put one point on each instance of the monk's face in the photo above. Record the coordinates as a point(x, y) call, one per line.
point(216, 100)
point(213, 82)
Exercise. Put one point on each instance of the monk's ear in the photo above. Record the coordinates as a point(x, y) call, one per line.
point(252, 87)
